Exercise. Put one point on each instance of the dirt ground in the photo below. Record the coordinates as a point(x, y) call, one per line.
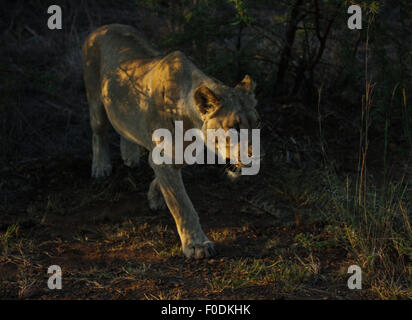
point(111, 246)
point(270, 231)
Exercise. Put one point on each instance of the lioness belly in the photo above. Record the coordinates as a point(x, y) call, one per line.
point(128, 117)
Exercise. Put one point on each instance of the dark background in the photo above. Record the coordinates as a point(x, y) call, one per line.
point(334, 182)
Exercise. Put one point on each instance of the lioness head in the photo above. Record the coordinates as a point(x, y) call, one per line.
point(228, 110)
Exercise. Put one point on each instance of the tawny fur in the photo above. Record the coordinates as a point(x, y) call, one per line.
point(136, 89)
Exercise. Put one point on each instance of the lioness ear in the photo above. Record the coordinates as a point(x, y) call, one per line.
point(206, 101)
point(247, 84)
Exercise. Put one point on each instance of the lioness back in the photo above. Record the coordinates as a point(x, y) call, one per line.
point(140, 88)
point(118, 39)
point(116, 59)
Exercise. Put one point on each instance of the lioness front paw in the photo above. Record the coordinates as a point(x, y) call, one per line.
point(199, 250)
point(101, 171)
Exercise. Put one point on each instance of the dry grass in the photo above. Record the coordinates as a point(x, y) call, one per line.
point(292, 232)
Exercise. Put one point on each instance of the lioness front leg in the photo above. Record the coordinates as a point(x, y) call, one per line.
point(195, 243)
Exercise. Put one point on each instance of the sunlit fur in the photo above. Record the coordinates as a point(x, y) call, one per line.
point(137, 89)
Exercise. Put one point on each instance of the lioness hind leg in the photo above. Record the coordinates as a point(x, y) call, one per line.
point(98, 120)
point(130, 152)
point(155, 197)
point(101, 166)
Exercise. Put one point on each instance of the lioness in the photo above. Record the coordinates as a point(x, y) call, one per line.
point(132, 86)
